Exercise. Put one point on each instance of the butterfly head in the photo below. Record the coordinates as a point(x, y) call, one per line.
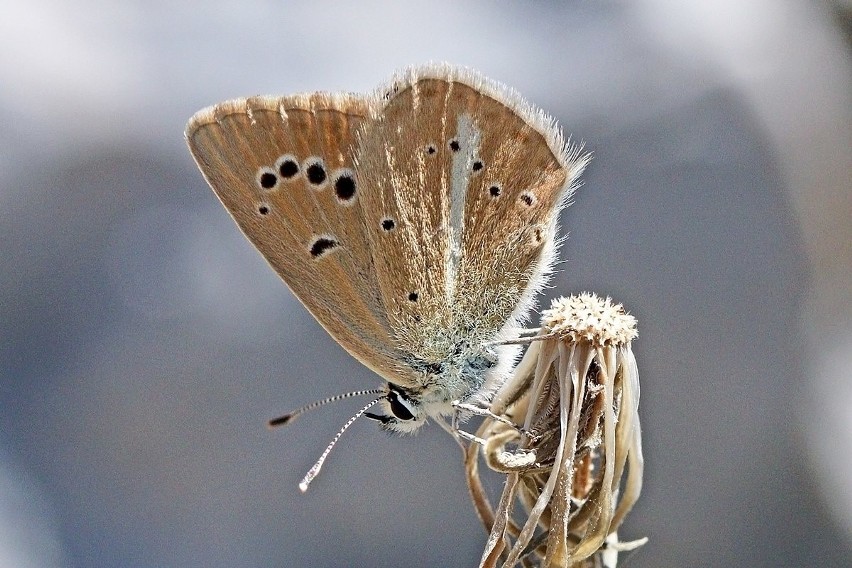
point(403, 411)
point(462, 375)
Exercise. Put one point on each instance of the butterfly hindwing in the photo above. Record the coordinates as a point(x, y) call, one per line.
point(474, 181)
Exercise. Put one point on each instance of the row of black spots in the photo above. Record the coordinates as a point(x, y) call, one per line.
point(324, 244)
point(287, 168)
point(527, 198)
point(454, 146)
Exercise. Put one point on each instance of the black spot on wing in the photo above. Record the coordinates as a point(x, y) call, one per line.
point(323, 245)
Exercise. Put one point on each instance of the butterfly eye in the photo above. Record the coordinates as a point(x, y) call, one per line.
point(399, 406)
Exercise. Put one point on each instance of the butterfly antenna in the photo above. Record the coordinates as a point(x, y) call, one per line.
point(290, 416)
point(312, 473)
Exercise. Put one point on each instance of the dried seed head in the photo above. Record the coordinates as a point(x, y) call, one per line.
point(577, 391)
point(586, 317)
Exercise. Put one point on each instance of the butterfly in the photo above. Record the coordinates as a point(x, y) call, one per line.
point(416, 223)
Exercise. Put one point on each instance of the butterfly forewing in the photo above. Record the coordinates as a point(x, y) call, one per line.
point(273, 162)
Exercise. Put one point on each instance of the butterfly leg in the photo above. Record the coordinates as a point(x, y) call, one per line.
point(479, 411)
point(470, 437)
point(457, 434)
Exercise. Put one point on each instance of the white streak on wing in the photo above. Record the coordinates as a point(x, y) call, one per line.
point(415, 97)
point(468, 136)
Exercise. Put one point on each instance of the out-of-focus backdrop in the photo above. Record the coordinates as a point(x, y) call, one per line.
point(144, 343)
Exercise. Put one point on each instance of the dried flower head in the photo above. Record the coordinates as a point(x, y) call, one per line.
point(575, 464)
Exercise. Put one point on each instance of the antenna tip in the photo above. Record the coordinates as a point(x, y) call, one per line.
point(303, 485)
point(280, 421)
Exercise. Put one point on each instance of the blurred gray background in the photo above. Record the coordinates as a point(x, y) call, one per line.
point(144, 343)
